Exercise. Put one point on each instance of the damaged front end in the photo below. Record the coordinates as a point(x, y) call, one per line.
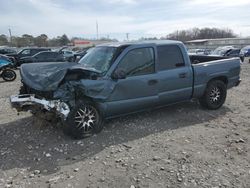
point(57, 90)
point(29, 101)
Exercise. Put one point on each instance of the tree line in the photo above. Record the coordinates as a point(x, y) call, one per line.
point(204, 33)
point(29, 40)
point(182, 35)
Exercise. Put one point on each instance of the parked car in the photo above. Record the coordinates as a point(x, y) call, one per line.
point(122, 78)
point(245, 51)
point(234, 53)
point(46, 56)
point(7, 50)
point(6, 71)
point(221, 51)
point(26, 52)
point(68, 55)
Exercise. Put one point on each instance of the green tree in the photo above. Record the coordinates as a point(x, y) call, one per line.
point(3, 40)
point(64, 40)
point(28, 40)
point(41, 40)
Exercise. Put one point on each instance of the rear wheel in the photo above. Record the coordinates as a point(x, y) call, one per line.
point(8, 75)
point(84, 120)
point(215, 95)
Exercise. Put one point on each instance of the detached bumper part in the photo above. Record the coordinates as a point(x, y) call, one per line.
point(19, 101)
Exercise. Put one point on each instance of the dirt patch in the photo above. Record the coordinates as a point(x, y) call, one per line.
point(178, 146)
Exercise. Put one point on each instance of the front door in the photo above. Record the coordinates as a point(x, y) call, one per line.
point(139, 89)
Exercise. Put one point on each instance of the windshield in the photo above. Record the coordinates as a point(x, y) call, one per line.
point(99, 58)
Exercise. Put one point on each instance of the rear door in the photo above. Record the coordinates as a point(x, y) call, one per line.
point(139, 89)
point(175, 76)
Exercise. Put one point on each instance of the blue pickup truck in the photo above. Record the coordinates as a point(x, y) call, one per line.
point(121, 78)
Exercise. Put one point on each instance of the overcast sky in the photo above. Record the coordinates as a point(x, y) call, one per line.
point(140, 18)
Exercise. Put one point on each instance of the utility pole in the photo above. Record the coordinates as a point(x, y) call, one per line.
point(127, 36)
point(97, 30)
point(10, 36)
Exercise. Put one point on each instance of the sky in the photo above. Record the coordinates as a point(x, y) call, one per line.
point(115, 18)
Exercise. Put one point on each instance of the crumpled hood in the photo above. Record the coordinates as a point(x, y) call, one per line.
point(44, 76)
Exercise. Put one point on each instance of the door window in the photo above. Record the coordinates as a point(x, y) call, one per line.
point(169, 57)
point(138, 62)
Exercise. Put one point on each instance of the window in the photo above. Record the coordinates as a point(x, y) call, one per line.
point(99, 58)
point(138, 62)
point(25, 52)
point(169, 57)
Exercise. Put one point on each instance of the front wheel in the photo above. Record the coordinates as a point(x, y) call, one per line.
point(8, 75)
point(83, 121)
point(215, 95)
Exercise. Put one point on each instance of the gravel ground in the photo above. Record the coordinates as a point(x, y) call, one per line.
point(178, 146)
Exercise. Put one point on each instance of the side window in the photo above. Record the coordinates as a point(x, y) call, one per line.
point(138, 62)
point(26, 52)
point(169, 57)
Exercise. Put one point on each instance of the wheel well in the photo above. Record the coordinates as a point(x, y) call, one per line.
point(221, 78)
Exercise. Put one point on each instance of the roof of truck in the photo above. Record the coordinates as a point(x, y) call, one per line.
point(156, 42)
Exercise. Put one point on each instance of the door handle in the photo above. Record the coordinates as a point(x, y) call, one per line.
point(183, 75)
point(152, 82)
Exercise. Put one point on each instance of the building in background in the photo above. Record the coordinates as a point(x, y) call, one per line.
point(87, 43)
point(214, 43)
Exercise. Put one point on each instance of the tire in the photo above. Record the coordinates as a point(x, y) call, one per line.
point(79, 125)
point(8, 75)
point(215, 95)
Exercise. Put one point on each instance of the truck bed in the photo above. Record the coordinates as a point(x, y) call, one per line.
point(196, 59)
point(227, 70)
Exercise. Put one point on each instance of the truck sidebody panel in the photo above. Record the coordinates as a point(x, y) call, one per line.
point(228, 69)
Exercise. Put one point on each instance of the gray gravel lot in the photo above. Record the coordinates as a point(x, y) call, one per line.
point(177, 146)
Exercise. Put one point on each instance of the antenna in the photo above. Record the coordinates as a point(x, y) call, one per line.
point(97, 32)
point(10, 36)
point(127, 36)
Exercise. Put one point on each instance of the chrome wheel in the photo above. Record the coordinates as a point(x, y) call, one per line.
point(85, 119)
point(215, 95)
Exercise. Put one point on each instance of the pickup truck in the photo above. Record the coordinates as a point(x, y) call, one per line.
point(116, 79)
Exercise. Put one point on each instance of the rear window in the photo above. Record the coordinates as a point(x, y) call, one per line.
point(169, 57)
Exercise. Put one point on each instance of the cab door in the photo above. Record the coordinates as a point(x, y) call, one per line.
point(175, 76)
point(137, 88)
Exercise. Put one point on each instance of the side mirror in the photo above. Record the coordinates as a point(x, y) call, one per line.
point(118, 74)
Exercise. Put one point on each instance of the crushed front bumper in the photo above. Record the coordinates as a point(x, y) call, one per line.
point(28, 100)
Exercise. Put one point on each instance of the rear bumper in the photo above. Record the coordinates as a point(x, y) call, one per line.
point(28, 101)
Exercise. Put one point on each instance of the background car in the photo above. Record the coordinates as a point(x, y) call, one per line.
point(234, 53)
point(46, 56)
point(245, 51)
point(7, 50)
point(25, 53)
point(222, 50)
point(68, 55)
